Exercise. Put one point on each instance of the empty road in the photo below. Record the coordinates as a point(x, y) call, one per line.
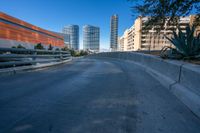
point(91, 96)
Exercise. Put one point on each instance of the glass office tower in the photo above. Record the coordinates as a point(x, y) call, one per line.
point(91, 38)
point(114, 32)
point(73, 32)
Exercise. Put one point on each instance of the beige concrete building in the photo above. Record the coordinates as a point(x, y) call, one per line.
point(136, 38)
point(121, 43)
point(124, 41)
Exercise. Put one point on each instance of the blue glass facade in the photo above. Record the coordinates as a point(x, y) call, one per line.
point(114, 32)
point(91, 38)
point(73, 32)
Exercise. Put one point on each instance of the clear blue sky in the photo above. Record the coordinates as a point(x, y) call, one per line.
point(55, 14)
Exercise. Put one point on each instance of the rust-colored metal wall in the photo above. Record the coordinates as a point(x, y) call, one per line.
point(14, 29)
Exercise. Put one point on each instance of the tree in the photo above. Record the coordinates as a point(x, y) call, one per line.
point(50, 47)
point(72, 52)
point(19, 46)
point(166, 11)
point(83, 53)
point(65, 48)
point(39, 46)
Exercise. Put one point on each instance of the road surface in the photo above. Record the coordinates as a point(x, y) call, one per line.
point(91, 96)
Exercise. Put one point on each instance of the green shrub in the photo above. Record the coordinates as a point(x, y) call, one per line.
point(65, 49)
point(19, 46)
point(186, 43)
point(83, 53)
point(78, 53)
point(38, 46)
point(72, 52)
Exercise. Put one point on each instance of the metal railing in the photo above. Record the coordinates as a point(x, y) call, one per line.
point(12, 57)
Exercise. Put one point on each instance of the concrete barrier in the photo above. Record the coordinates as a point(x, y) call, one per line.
point(190, 75)
point(182, 79)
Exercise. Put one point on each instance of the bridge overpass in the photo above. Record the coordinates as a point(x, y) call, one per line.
point(91, 95)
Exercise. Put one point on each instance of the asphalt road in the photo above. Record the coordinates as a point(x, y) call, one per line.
point(91, 96)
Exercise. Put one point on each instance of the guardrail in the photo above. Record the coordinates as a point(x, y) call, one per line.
point(12, 57)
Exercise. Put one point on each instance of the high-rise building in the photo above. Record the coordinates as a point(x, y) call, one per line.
point(91, 38)
point(136, 38)
point(73, 32)
point(114, 32)
point(66, 40)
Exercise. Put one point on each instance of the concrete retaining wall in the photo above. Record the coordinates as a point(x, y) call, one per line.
point(182, 79)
